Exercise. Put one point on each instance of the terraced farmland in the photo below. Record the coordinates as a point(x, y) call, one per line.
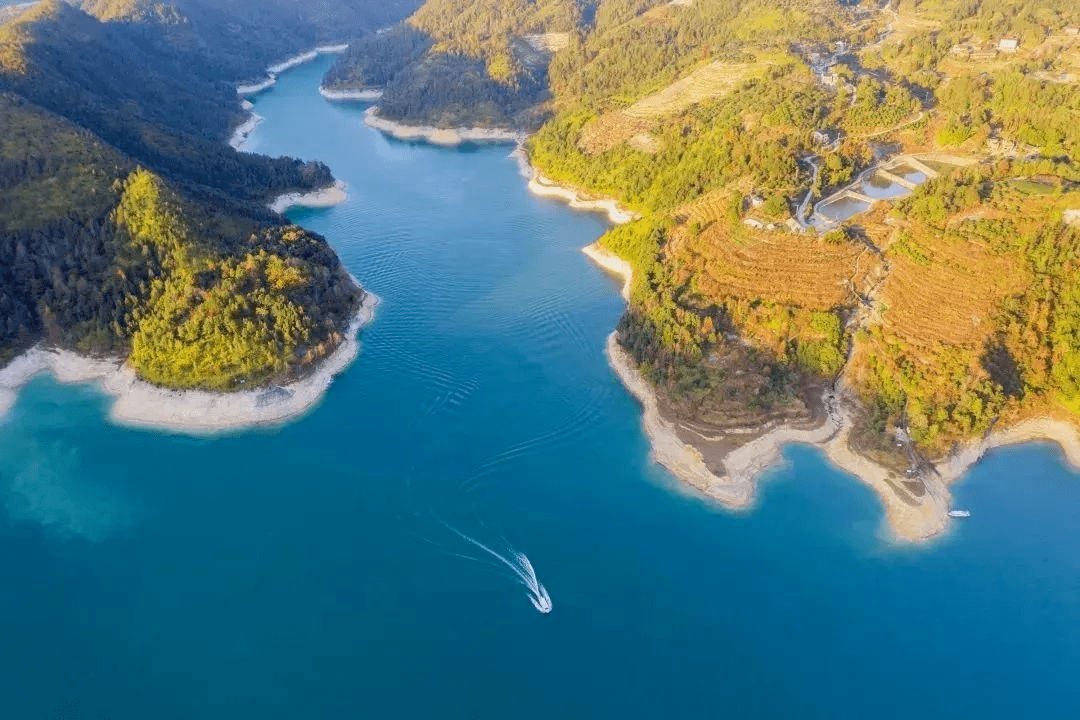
point(610, 130)
point(705, 83)
point(798, 270)
point(946, 292)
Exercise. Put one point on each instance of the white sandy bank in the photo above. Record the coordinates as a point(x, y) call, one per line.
point(363, 95)
point(326, 197)
point(257, 87)
point(684, 461)
point(446, 137)
point(243, 132)
point(613, 264)
point(1062, 433)
point(545, 187)
point(139, 403)
point(293, 62)
point(273, 71)
point(909, 520)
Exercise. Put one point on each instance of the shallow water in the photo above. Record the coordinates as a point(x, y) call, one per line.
point(306, 572)
point(879, 188)
point(837, 211)
point(914, 176)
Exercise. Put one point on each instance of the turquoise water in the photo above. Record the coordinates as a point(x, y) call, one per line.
point(306, 572)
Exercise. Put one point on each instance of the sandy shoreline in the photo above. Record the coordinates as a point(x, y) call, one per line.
point(909, 520)
point(1062, 433)
point(613, 264)
point(243, 132)
point(273, 71)
point(545, 187)
point(254, 88)
point(362, 95)
point(683, 461)
point(326, 197)
point(138, 403)
point(444, 137)
point(538, 184)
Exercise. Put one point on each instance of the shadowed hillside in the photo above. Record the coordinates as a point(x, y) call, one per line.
point(166, 117)
point(238, 39)
point(461, 62)
point(101, 256)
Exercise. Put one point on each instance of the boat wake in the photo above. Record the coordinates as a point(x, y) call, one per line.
point(521, 570)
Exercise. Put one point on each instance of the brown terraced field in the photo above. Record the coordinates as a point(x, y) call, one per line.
point(949, 297)
point(710, 207)
point(705, 83)
point(610, 130)
point(789, 269)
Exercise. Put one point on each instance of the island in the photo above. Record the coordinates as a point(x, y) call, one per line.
point(838, 224)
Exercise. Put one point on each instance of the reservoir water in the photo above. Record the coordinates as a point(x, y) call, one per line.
point(311, 571)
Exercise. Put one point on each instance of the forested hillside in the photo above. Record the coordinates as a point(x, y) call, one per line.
point(101, 256)
point(238, 39)
point(173, 121)
point(127, 225)
point(461, 62)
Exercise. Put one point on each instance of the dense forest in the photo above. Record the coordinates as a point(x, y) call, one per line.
point(127, 225)
point(102, 256)
point(173, 121)
point(460, 62)
point(238, 39)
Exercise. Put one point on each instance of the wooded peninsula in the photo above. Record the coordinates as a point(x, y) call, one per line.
point(128, 227)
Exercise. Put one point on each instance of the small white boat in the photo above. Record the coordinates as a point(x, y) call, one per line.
point(959, 513)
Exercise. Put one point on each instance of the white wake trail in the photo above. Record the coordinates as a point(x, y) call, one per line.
point(521, 567)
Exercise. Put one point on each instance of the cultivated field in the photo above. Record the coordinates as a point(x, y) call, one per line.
point(947, 293)
point(802, 270)
point(549, 42)
point(705, 83)
point(610, 130)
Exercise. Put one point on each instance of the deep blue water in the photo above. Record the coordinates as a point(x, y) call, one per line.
point(305, 572)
